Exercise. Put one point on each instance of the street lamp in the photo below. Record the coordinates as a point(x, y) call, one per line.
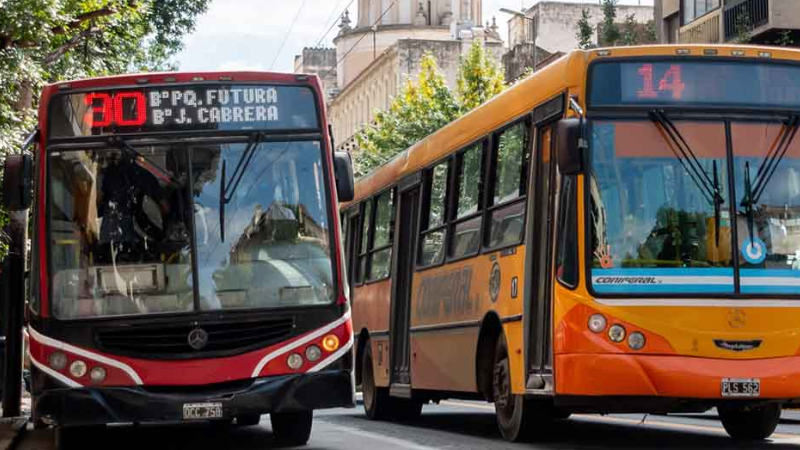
point(534, 32)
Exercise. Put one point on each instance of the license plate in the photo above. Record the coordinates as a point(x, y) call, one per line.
point(202, 411)
point(741, 387)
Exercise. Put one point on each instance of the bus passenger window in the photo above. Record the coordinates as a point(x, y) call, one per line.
point(567, 252)
point(466, 231)
point(433, 236)
point(381, 248)
point(509, 184)
point(366, 219)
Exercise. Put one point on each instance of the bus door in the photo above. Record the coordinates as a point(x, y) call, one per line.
point(408, 197)
point(539, 270)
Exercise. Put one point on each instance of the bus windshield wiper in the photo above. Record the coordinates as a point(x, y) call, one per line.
point(754, 190)
point(228, 187)
point(145, 162)
point(709, 188)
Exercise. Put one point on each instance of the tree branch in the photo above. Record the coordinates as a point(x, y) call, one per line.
point(56, 54)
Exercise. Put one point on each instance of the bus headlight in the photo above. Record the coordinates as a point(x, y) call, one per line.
point(313, 353)
point(294, 361)
point(597, 323)
point(57, 360)
point(77, 369)
point(97, 375)
point(616, 333)
point(636, 340)
point(330, 343)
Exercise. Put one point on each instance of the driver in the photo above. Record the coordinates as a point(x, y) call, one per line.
point(127, 227)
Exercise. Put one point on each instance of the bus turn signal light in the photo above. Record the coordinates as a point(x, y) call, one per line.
point(330, 343)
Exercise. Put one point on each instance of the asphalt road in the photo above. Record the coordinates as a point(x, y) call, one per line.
point(451, 425)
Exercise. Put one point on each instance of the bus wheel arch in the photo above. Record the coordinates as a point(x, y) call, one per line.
point(363, 339)
point(491, 330)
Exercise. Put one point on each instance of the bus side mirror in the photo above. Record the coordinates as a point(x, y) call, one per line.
point(17, 182)
point(343, 170)
point(571, 145)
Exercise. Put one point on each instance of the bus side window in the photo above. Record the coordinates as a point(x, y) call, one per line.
point(567, 269)
point(434, 219)
point(508, 183)
point(366, 221)
point(381, 246)
point(465, 232)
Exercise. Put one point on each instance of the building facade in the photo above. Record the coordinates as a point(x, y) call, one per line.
point(765, 22)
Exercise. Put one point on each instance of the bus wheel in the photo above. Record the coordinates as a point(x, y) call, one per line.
point(292, 428)
point(376, 399)
point(516, 415)
point(750, 423)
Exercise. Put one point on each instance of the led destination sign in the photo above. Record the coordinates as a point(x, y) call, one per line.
point(243, 107)
point(746, 84)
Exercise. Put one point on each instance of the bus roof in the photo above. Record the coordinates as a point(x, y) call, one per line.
point(567, 74)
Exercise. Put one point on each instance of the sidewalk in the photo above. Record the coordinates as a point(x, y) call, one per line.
point(12, 428)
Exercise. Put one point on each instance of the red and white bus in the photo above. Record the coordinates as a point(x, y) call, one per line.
point(186, 260)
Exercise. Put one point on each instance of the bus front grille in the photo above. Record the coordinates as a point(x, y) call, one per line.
point(171, 341)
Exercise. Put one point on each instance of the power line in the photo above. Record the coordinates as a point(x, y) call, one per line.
point(332, 25)
point(286, 37)
point(359, 40)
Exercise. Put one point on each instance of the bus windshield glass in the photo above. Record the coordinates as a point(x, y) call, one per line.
point(131, 225)
point(661, 213)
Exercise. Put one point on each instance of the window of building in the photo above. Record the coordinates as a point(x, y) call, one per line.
point(510, 166)
point(434, 222)
point(693, 9)
point(467, 225)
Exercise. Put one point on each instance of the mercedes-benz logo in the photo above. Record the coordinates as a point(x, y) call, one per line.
point(198, 338)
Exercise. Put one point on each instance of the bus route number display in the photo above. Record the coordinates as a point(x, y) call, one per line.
point(184, 108)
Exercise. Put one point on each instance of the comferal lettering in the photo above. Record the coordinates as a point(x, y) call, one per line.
point(446, 294)
point(627, 280)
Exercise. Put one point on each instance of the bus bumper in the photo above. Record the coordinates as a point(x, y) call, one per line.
point(672, 376)
point(107, 405)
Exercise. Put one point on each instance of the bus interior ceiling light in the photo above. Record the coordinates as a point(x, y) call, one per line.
point(597, 323)
point(294, 361)
point(330, 342)
point(616, 333)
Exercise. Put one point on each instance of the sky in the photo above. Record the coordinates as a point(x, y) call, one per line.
point(258, 34)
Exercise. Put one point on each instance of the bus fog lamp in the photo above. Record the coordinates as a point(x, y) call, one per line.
point(616, 333)
point(294, 361)
point(636, 340)
point(57, 360)
point(313, 353)
point(97, 374)
point(77, 369)
point(597, 323)
point(330, 343)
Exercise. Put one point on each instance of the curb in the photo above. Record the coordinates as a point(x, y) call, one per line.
point(11, 431)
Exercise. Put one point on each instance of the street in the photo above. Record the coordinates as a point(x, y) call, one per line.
point(451, 425)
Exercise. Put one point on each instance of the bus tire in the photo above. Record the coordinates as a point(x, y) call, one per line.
point(517, 417)
point(751, 423)
point(292, 428)
point(248, 420)
point(377, 403)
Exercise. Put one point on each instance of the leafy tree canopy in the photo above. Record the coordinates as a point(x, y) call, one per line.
point(585, 32)
point(426, 105)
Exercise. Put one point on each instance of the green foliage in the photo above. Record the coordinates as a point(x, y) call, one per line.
point(743, 28)
point(479, 78)
point(609, 30)
point(629, 31)
point(419, 109)
point(424, 106)
point(585, 31)
point(650, 33)
point(785, 39)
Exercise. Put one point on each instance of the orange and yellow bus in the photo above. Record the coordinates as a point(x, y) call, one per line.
point(619, 232)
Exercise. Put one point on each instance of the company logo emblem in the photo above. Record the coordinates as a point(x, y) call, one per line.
point(755, 251)
point(198, 338)
point(737, 318)
point(494, 282)
point(737, 346)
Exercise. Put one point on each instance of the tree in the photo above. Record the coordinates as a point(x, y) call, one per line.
point(585, 33)
point(419, 109)
point(426, 105)
point(629, 34)
point(479, 78)
point(743, 28)
point(609, 30)
point(785, 39)
point(45, 41)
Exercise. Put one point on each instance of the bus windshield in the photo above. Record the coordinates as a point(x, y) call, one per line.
point(136, 229)
point(663, 218)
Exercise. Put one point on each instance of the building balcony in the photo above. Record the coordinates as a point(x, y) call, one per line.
point(762, 20)
point(705, 30)
point(746, 15)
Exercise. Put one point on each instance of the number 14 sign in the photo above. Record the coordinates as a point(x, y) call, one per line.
point(670, 82)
